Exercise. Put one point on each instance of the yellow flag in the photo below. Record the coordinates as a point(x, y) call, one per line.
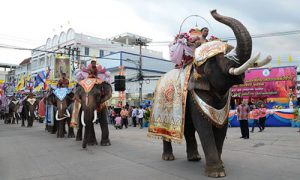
point(20, 83)
point(278, 61)
point(290, 58)
point(28, 77)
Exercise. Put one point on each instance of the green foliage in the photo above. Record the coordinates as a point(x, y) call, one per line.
point(147, 115)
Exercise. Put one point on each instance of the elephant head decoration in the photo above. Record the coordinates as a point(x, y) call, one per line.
point(198, 98)
point(91, 93)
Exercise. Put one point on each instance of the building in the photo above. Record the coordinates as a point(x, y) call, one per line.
point(121, 50)
point(6, 71)
point(152, 69)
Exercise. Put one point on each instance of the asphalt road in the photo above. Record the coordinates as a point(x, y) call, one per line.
point(33, 154)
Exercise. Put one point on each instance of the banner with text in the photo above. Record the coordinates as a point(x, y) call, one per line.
point(267, 83)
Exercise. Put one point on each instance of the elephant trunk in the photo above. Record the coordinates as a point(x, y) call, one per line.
point(244, 41)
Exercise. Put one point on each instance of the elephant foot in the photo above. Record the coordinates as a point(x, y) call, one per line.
point(22, 125)
point(105, 142)
point(215, 172)
point(92, 143)
point(168, 156)
point(84, 143)
point(193, 156)
point(71, 135)
point(78, 138)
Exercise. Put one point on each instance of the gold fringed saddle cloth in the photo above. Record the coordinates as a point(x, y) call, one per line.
point(168, 109)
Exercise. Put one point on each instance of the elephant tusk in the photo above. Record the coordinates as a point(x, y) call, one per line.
point(56, 116)
point(263, 62)
point(240, 70)
point(95, 116)
point(68, 113)
point(14, 115)
point(82, 118)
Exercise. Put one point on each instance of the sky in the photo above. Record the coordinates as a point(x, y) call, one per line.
point(29, 23)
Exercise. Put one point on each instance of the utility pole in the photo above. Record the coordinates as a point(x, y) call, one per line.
point(140, 73)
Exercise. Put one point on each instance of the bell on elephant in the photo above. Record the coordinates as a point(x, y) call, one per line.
point(185, 104)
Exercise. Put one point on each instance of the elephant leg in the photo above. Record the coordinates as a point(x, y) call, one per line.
point(70, 130)
point(85, 137)
point(220, 134)
point(79, 131)
point(92, 136)
point(167, 151)
point(54, 127)
point(191, 142)
point(23, 122)
point(61, 129)
point(104, 128)
point(214, 165)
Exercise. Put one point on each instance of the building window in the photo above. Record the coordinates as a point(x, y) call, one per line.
point(86, 51)
point(101, 53)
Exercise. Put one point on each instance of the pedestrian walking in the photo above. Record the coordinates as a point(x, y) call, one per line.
point(256, 115)
point(140, 116)
point(124, 116)
point(243, 111)
point(133, 116)
point(263, 114)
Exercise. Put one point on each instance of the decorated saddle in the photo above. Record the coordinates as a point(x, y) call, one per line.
point(168, 110)
point(61, 93)
point(208, 50)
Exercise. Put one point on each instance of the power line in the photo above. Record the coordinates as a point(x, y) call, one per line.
point(284, 33)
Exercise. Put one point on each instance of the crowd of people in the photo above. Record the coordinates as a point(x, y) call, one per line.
point(259, 113)
point(128, 116)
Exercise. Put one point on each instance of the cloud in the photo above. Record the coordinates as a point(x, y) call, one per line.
point(159, 20)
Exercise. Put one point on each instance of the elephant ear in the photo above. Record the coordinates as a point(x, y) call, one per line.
point(200, 83)
point(106, 91)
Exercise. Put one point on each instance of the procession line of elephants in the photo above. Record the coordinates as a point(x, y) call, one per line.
point(220, 72)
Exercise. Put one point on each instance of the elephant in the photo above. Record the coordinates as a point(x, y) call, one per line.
point(90, 99)
point(30, 104)
point(217, 75)
point(13, 108)
point(62, 99)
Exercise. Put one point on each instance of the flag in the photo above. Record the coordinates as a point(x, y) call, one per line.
point(40, 78)
point(290, 58)
point(20, 84)
point(278, 61)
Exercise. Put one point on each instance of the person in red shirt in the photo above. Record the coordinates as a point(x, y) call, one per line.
point(263, 114)
point(256, 116)
point(243, 111)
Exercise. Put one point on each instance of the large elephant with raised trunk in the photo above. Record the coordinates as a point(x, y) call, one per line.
point(207, 97)
point(92, 93)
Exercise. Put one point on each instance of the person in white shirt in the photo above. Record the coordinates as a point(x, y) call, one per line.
point(140, 116)
point(133, 116)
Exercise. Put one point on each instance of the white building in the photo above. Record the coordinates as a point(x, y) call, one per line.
point(120, 50)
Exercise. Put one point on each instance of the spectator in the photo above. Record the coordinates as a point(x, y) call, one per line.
point(140, 116)
point(256, 115)
point(124, 116)
point(263, 114)
point(243, 111)
point(133, 116)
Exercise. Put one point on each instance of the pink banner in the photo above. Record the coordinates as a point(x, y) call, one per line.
point(267, 82)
